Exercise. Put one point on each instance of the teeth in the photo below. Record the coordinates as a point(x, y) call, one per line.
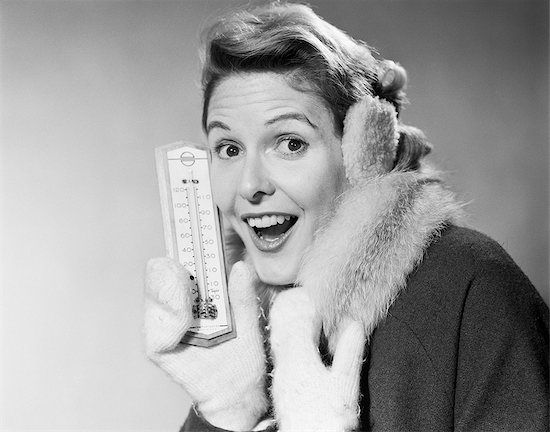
point(267, 221)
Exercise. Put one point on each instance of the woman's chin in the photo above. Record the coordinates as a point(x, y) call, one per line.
point(282, 278)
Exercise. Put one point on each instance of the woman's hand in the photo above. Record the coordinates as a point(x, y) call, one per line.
point(226, 381)
point(307, 395)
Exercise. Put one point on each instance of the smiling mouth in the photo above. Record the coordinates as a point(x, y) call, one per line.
point(269, 232)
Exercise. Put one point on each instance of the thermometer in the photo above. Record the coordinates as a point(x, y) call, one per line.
point(192, 235)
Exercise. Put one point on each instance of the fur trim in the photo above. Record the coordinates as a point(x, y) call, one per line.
point(359, 261)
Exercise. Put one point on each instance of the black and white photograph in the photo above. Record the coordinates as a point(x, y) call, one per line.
point(230, 215)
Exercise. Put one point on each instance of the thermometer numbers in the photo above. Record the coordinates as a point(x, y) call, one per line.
point(185, 196)
point(185, 233)
point(209, 247)
point(193, 237)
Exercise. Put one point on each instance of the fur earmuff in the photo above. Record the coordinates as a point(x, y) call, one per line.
point(369, 143)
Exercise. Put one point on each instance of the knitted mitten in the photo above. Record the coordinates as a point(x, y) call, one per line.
point(226, 381)
point(307, 395)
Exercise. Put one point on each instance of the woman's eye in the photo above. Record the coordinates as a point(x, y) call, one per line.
point(227, 151)
point(291, 146)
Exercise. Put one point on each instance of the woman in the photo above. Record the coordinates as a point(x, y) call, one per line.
point(361, 303)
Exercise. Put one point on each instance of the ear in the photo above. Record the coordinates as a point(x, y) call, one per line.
point(369, 143)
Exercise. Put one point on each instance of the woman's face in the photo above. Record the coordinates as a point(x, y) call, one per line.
point(277, 168)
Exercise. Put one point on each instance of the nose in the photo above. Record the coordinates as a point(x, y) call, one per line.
point(255, 180)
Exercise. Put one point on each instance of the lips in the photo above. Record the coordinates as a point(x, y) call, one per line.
point(269, 232)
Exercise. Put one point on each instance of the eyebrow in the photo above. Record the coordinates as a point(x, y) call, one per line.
point(291, 116)
point(282, 117)
point(216, 124)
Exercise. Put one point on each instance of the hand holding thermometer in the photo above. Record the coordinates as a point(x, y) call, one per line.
point(193, 237)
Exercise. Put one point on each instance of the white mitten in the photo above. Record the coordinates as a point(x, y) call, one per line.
point(307, 395)
point(226, 381)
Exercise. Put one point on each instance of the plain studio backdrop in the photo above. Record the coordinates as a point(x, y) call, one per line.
point(89, 88)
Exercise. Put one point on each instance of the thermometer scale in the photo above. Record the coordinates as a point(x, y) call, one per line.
point(193, 237)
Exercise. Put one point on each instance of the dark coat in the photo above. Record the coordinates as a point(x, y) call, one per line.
point(463, 347)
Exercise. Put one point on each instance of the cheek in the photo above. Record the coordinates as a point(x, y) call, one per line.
point(319, 186)
point(223, 188)
point(333, 177)
point(329, 181)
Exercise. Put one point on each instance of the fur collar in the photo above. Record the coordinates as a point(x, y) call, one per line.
point(360, 260)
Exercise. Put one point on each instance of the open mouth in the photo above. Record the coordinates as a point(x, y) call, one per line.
point(270, 230)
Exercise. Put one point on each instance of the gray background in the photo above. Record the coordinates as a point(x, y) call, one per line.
point(89, 88)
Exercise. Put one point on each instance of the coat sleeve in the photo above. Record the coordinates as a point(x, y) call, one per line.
point(196, 423)
point(502, 369)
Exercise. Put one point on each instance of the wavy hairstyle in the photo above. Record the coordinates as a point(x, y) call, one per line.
point(314, 56)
